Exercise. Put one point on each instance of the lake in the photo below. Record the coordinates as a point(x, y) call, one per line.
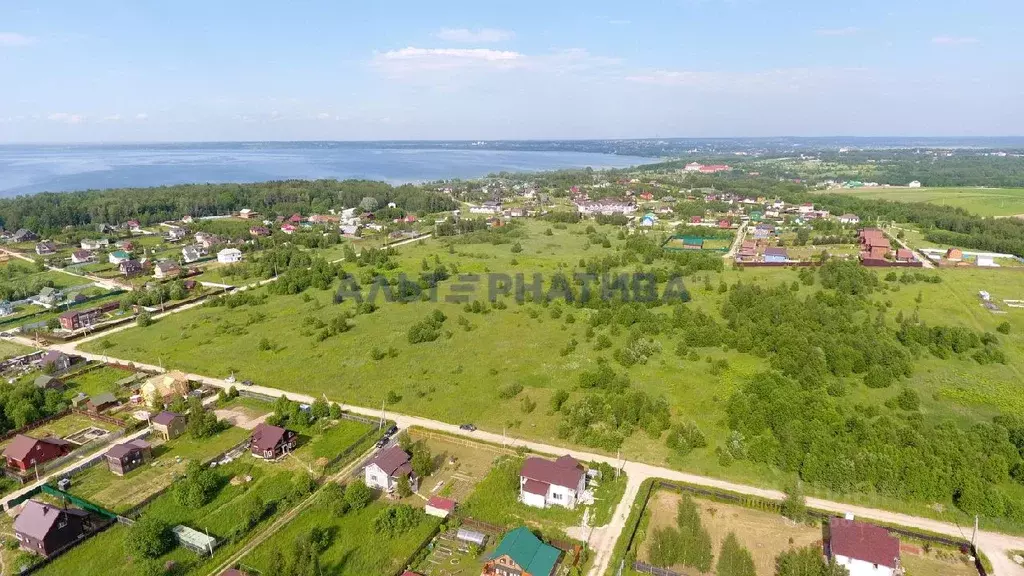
point(27, 169)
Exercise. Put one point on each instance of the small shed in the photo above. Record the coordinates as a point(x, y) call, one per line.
point(439, 507)
point(194, 540)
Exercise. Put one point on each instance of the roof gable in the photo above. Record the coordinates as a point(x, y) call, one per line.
point(526, 550)
point(391, 459)
point(565, 471)
point(862, 541)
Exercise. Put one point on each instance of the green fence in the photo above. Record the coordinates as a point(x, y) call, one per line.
point(79, 502)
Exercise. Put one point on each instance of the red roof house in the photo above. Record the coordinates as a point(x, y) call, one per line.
point(440, 507)
point(544, 483)
point(271, 441)
point(904, 255)
point(853, 543)
point(24, 452)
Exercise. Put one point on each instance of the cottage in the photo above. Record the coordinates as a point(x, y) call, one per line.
point(77, 319)
point(520, 553)
point(166, 269)
point(94, 243)
point(489, 207)
point(55, 360)
point(349, 230)
point(48, 296)
point(914, 184)
point(82, 257)
point(775, 254)
point(169, 424)
point(192, 253)
point(123, 458)
point(24, 235)
point(126, 245)
point(863, 549)
point(246, 213)
point(118, 256)
point(47, 382)
point(45, 529)
point(849, 219)
point(904, 255)
point(269, 442)
point(387, 467)
point(259, 231)
point(6, 308)
point(544, 483)
point(24, 452)
point(133, 225)
point(130, 268)
point(176, 233)
point(229, 256)
point(288, 228)
point(439, 507)
point(164, 388)
point(101, 402)
point(45, 248)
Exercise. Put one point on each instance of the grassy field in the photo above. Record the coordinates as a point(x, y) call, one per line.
point(121, 493)
point(64, 426)
point(96, 381)
point(10, 349)
point(981, 201)
point(105, 553)
point(349, 553)
point(457, 377)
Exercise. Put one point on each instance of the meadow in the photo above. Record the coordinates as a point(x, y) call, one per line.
point(458, 377)
point(980, 201)
point(11, 349)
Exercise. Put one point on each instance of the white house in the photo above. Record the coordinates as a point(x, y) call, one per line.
point(118, 256)
point(606, 207)
point(692, 167)
point(192, 253)
point(849, 219)
point(914, 184)
point(863, 549)
point(229, 256)
point(544, 483)
point(81, 257)
point(486, 208)
point(94, 244)
point(390, 464)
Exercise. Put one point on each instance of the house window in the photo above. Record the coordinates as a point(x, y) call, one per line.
point(556, 496)
point(373, 478)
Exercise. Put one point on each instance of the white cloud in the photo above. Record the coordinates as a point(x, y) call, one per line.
point(847, 31)
point(412, 58)
point(14, 40)
point(66, 118)
point(141, 116)
point(470, 36)
point(954, 40)
point(618, 22)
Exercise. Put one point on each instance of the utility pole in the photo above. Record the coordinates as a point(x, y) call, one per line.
point(974, 536)
point(383, 415)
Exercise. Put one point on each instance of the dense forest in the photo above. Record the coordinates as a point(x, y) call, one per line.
point(49, 212)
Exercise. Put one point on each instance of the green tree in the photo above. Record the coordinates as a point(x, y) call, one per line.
point(149, 537)
point(404, 490)
point(794, 506)
point(734, 559)
point(198, 487)
point(358, 494)
point(143, 319)
point(806, 562)
point(665, 547)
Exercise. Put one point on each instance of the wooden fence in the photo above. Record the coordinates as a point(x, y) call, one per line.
point(645, 568)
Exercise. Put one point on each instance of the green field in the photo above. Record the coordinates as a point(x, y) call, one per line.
point(64, 426)
point(10, 349)
point(96, 380)
point(349, 553)
point(981, 201)
point(457, 378)
point(105, 553)
point(120, 493)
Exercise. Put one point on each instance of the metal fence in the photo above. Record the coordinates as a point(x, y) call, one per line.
point(645, 568)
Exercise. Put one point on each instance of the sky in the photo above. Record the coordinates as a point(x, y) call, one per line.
point(227, 70)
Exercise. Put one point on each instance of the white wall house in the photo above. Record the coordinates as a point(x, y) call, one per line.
point(384, 471)
point(863, 549)
point(486, 208)
point(229, 256)
point(544, 483)
point(606, 207)
point(914, 184)
point(849, 219)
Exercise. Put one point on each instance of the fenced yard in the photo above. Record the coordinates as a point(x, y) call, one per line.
point(448, 556)
point(65, 427)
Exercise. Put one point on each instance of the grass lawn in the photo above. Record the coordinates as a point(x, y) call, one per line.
point(96, 381)
point(120, 493)
point(457, 377)
point(355, 549)
point(981, 201)
point(64, 426)
point(105, 553)
point(460, 464)
point(450, 557)
point(937, 562)
point(10, 349)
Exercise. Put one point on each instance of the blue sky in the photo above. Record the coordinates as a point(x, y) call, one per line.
point(142, 70)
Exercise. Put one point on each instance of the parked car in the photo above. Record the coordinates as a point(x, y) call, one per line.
point(468, 427)
point(246, 382)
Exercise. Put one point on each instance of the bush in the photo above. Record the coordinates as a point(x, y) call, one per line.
point(510, 390)
point(198, 487)
point(685, 437)
point(143, 319)
point(358, 495)
point(908, 400)
point(149, 537)
point(1003, 328)
point(794, 506)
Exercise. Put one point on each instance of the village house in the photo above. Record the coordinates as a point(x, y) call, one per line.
point(76, 319)
point(123, 458)
point(118, 256)
point(490, 207)
point(81, 257)
point(544, 483)
point(6, 308)
point(165, 388)
point(849, 219)
point(762, 231)
point(914, 184)
point(166, 269)
point(954, 255)
point(45, 529)
point(55, 360)
point(606, 207)
point(905, 255)
point(25, 452)
point(168, 424)
point(775, 254)
point(208, 240)
point(133, 226)
point(863, 549)
point(439, 507)
point(692, 167)
point(390, 464)
point(47, 382)
point(246, 214)
point(101, 402)
point(45, 248)
point(176, 233)
point(47, 297)
point(270, 442)
point(192, 253)
point(288, 228)
point(349, 229)
point(24, 235)
point(130, 268)
point(94, 243)
point(521, 553)
point(229, 256)
point(259, 231)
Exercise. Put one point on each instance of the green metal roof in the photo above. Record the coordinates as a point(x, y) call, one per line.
point(526, 550)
